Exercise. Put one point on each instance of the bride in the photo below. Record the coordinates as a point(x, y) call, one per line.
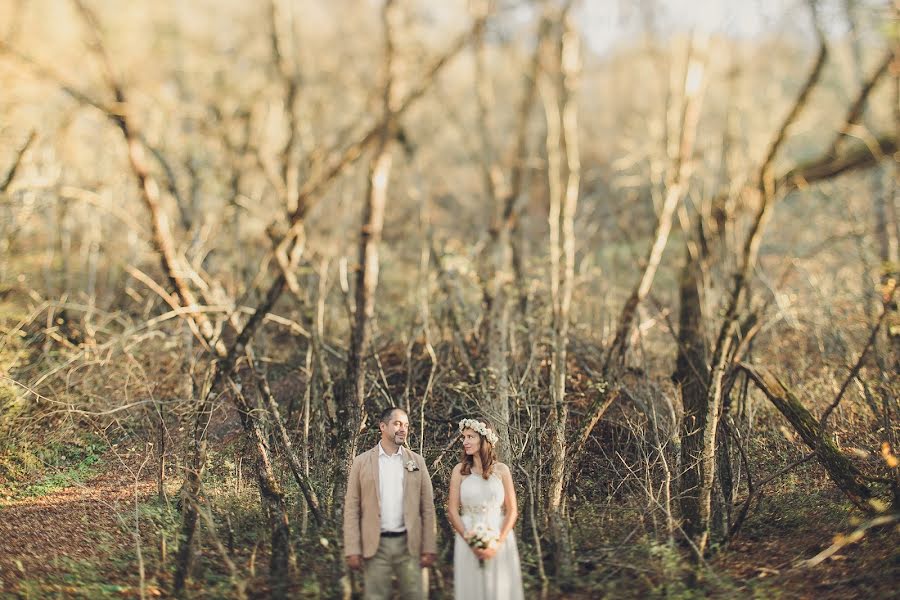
point(482, 509)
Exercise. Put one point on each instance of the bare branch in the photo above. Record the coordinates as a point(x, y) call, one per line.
point(812, 79)
point(828, 167)
point(887, 300)
point(17, 161)
point(845, 540)
point(340, 160)
point(856, 109)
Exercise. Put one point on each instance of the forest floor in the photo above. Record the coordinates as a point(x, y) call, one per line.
point(793, 526)
point(69, 534)
point(78, 541)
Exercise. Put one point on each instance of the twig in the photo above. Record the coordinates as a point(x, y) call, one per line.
point(856, 109)
point(852, 538)
point(11, 174)
point(885, 310)
point(239, 584)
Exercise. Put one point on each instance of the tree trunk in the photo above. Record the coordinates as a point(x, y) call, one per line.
point(351, 410)
point(297, 468)
point(273, 500)
point(221, 370)
point(496, 264)
point(892, 218)
point(562, 140)
point(692, 377)
point(843, 472)
point(190, 492)
point(767, 188)
point(495, 381)
point(692, 92)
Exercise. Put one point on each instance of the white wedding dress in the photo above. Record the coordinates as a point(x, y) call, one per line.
point(481, 501)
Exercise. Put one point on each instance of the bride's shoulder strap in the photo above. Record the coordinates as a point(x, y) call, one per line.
point(501, 468)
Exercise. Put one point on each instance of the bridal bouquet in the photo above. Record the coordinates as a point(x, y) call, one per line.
point(483, 537)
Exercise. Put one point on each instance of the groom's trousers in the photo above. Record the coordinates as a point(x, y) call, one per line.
point(393, 559)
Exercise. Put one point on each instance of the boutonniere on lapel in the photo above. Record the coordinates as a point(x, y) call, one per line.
point(411, 466)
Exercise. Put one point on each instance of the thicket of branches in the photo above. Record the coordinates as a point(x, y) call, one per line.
point(619, 258)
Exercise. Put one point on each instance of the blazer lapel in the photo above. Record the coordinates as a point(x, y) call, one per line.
point(407, 489)
point(376, 476)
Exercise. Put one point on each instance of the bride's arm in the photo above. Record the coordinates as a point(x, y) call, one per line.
point(510, 505)
point(453, 501)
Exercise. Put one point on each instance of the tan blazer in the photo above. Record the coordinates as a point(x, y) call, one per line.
point(362, 506)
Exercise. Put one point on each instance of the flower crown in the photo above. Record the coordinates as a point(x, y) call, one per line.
point(479, 428)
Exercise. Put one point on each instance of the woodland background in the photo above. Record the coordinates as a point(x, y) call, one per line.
point(655, 242)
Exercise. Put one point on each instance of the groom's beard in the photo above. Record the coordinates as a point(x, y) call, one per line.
point(399, 439)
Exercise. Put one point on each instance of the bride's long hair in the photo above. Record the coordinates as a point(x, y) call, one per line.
point(487, 452)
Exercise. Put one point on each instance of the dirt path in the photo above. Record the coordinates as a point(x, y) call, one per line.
point(768, 557)
point(44, 538)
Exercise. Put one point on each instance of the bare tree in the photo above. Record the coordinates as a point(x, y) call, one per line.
point(351, 409)
point(692, 92)
point(564, 187)
point(703, 411)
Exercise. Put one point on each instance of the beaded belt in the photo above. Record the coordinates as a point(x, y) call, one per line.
point(479, 509)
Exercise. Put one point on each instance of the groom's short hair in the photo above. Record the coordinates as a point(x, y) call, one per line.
point(386, 414)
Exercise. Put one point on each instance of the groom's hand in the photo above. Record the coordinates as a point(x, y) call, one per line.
point(428, 560)
point(355, 562)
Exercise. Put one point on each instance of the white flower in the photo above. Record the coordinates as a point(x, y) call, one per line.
point(483, 536)
point(479, 428)
point(411, 466)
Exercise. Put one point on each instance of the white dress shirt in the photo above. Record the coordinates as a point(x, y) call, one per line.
point(390, 489)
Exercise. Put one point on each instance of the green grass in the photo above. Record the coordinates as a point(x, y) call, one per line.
point(34, 472)
point(80, 579)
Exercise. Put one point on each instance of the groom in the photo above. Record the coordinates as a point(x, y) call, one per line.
point(389, 517)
